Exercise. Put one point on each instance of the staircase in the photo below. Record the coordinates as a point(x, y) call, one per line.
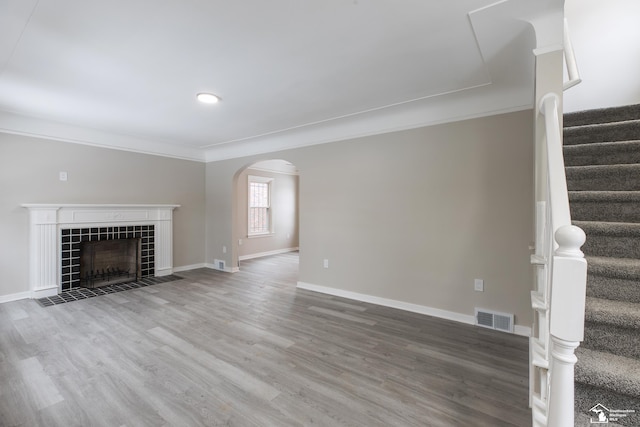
point(602, 159)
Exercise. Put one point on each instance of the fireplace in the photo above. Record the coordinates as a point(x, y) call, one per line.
point(107, 262)
point(58, 232)
point(99, 256)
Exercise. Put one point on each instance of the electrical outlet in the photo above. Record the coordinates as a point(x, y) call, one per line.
point(63, 176)
point(478, 285)
point(326, 263)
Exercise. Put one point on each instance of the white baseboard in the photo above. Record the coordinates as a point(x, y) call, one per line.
point(163, 272)
point(226, 269)
point(524, 331)
point(261, 254)
point(406, 306)
point(401, 305)
point(44, 292)
point(189, 267)
point(14, 297)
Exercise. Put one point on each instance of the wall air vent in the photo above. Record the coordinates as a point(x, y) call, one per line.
point(219, 264)
point(494, 320)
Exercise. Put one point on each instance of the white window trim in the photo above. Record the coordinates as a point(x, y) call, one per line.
point(266, 180)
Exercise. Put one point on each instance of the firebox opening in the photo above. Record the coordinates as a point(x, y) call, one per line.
point(106, 262)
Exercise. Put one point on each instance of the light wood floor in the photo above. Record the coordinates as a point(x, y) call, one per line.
point(248, 349)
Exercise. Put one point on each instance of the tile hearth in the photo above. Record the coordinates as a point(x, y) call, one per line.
point(83, 293)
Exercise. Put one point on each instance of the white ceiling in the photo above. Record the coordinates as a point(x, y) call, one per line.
point(124, 73)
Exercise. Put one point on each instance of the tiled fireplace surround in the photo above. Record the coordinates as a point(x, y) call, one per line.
point(48, 231)
point(72, 239)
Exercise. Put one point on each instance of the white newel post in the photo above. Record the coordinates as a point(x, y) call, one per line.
point(567, 321)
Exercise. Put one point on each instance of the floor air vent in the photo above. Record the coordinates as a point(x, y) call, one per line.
point(494, 320)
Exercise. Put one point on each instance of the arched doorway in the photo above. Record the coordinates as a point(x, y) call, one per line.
point(265, 210)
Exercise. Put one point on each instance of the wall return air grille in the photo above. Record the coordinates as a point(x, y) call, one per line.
point(494, 320)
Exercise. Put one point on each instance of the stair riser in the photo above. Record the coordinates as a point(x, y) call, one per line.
point(618, 153)
point(613, 288)
point(605, 211)
point(586, 397)
point(612, 246)
point(603, 179)
point(605, 115)
point(612, 339)
point(626, 131)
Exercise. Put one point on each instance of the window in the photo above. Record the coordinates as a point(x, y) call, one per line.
point(259, 205)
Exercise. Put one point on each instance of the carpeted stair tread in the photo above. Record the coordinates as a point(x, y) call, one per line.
point(611, 339)
point(605, 132)
point(602, 115)
point(617, 229)
point(624, 177)
point(611, 239)
point(602, 153)
point(608, 371)
point(613, 327)
point(604, 196)
point(618, 313)
point(614, 206)
point(619, 268)
point(613, 288)
point(613, 278)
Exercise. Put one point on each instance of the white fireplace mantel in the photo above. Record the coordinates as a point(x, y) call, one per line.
point(46, 221)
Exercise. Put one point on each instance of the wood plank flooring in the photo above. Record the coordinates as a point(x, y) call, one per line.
point(249, 349)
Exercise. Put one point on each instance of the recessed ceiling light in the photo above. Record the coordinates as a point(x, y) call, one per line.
point(207, 98)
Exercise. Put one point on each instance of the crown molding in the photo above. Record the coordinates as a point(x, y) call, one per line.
point(17, 124)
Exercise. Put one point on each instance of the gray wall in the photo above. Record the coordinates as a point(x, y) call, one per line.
point(412, 216)
point(284, 207)
point(29, 170)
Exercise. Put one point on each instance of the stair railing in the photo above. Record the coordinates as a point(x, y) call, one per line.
point(561, 270)
point(570, 60)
